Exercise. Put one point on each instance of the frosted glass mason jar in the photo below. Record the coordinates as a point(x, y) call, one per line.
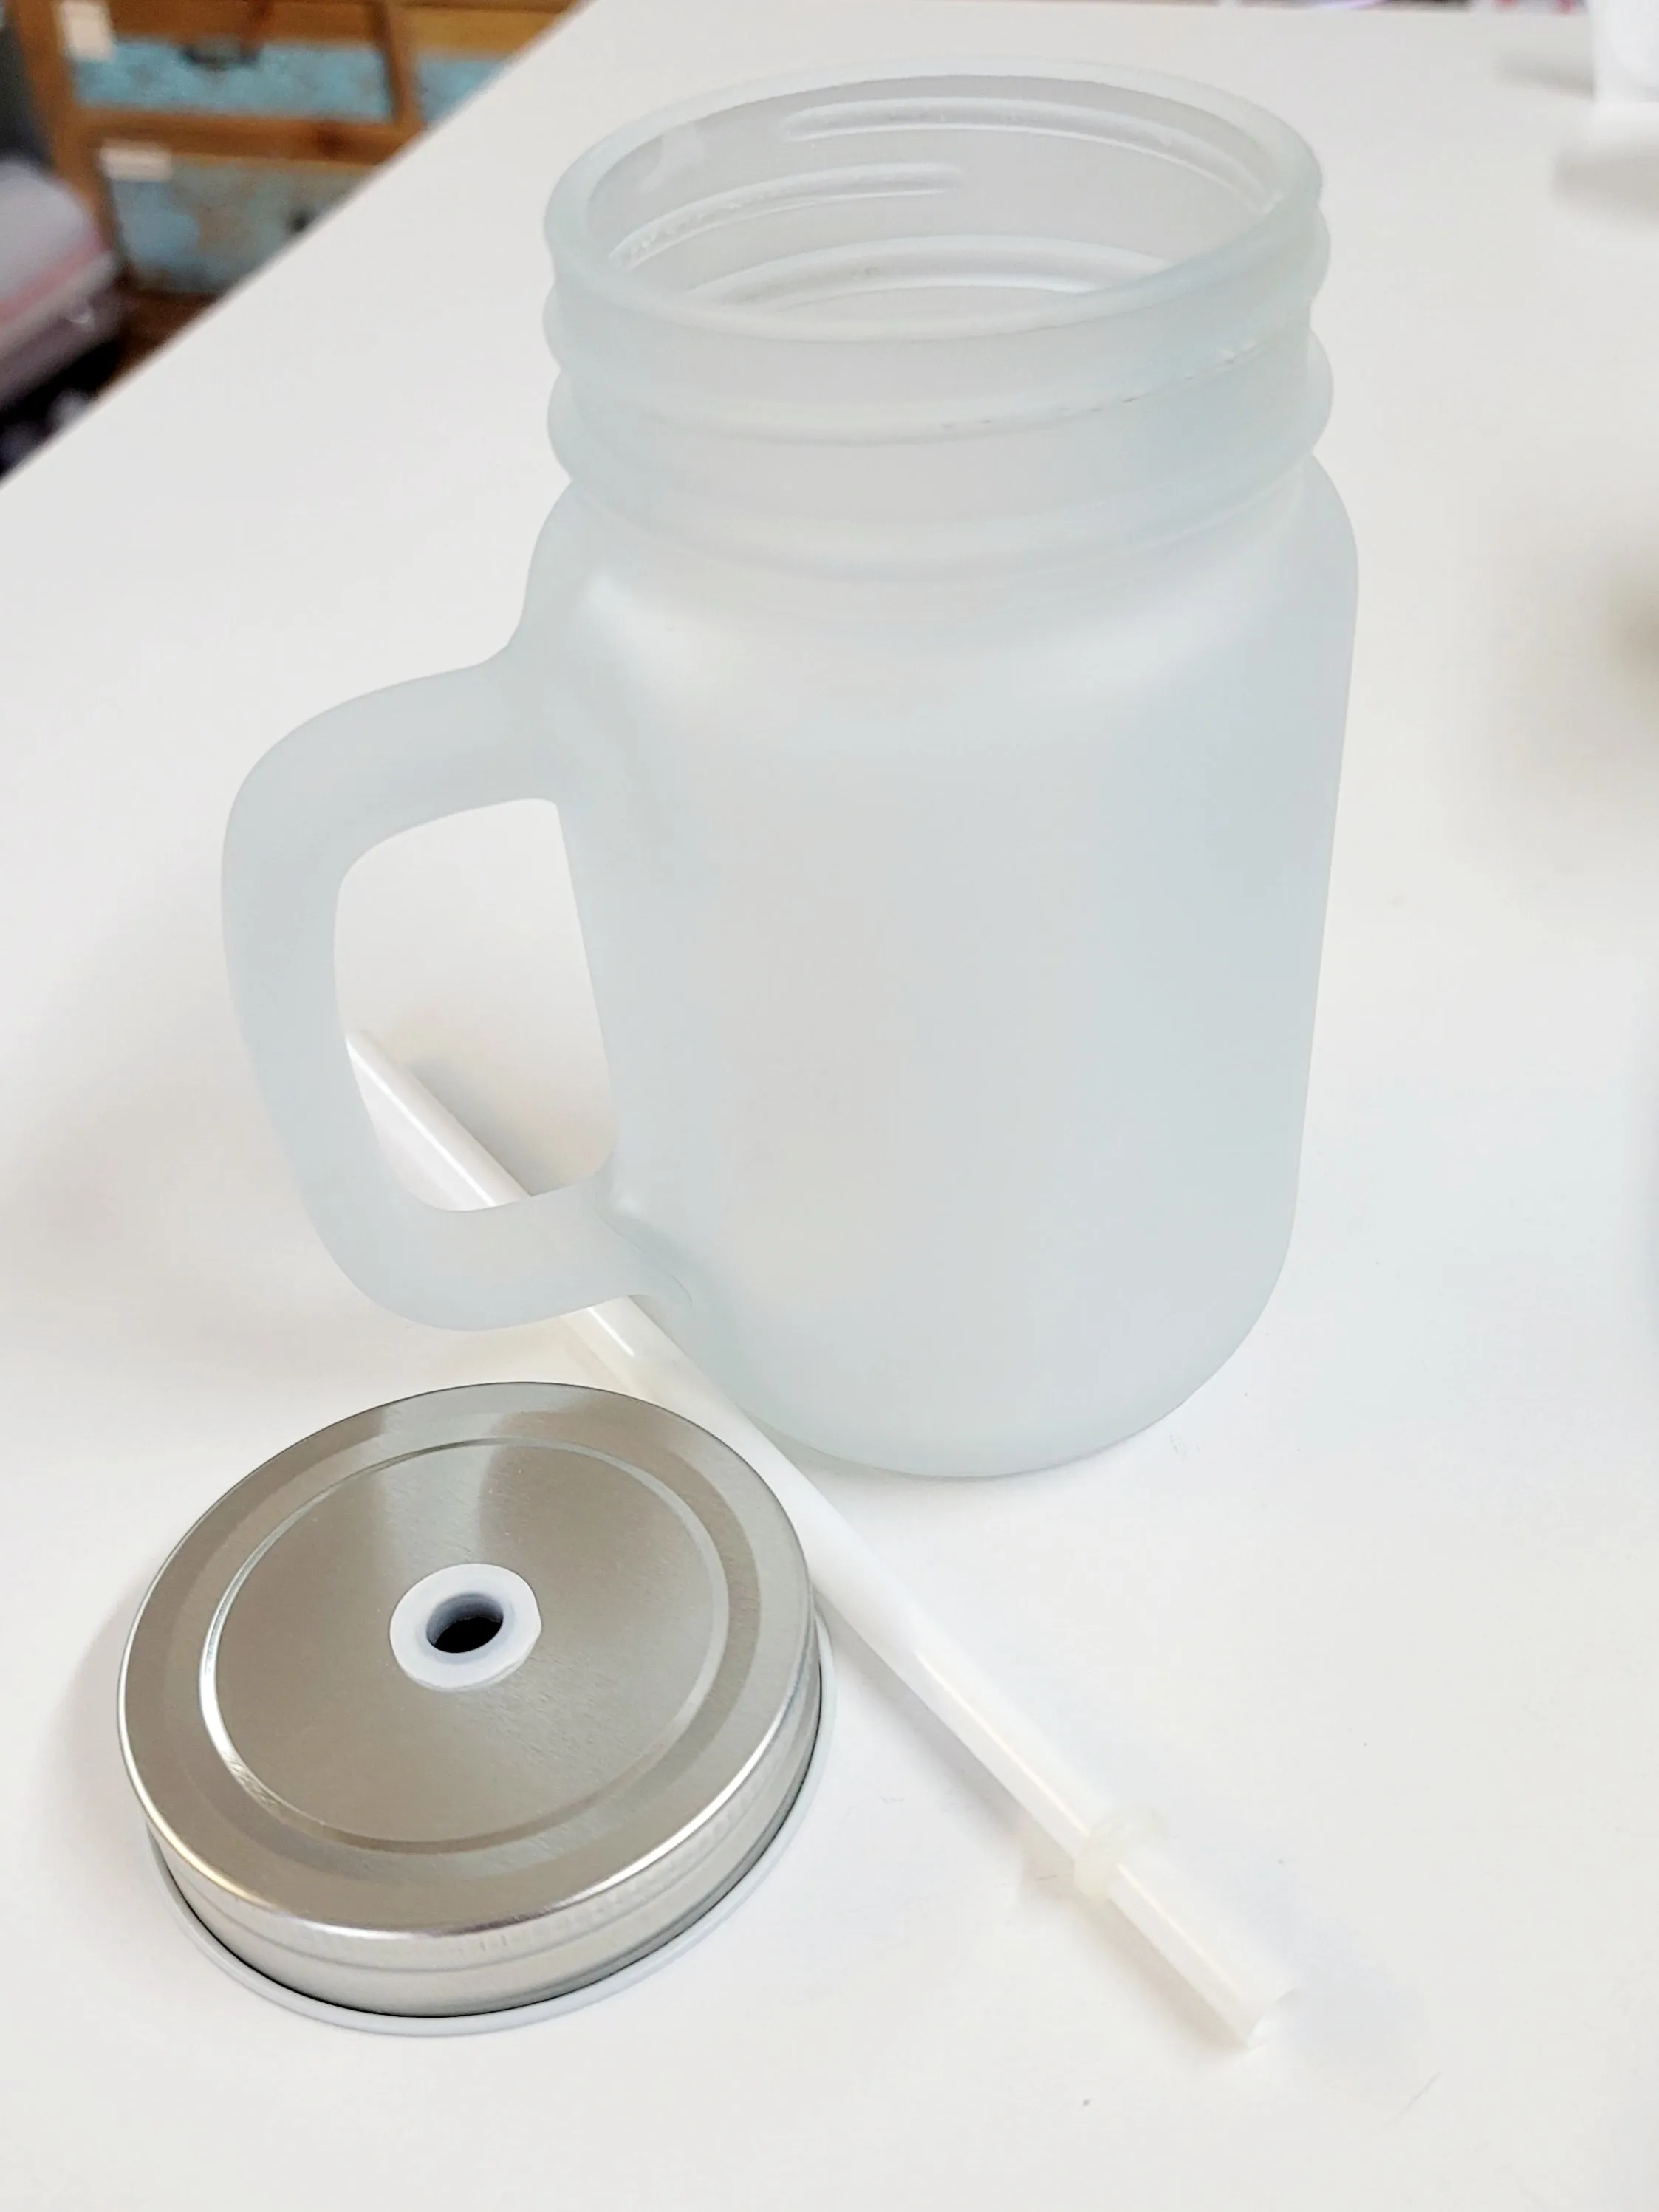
point(938, 663)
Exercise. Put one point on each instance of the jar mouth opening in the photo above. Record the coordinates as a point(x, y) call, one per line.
point(935, 201)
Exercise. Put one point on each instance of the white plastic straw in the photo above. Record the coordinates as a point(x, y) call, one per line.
point(1118, 1856)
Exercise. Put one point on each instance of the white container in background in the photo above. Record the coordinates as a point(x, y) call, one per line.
point(1624, 40)
point(938, 662)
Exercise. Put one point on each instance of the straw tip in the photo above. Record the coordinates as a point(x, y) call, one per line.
point(1126, 1862)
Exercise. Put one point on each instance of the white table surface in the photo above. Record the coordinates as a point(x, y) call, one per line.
point(1375, 1616)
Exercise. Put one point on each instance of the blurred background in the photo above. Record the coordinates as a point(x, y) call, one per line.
point(155, 153)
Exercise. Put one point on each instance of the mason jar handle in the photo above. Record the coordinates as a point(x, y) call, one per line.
point(317, 802)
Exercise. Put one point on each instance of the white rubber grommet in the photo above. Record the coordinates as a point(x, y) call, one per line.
point(465, 1627)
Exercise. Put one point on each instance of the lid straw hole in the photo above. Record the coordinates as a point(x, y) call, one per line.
point(464, 1624)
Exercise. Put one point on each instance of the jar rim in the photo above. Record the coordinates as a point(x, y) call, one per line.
point(1290, 207)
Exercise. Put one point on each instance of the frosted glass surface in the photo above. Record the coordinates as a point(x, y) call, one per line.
point(945, 738)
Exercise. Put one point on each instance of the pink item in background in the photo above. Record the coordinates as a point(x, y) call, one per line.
point(57, 280)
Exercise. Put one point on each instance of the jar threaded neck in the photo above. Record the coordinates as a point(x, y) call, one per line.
point(894, 305)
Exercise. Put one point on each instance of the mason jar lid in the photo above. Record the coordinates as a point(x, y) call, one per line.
point(473, 1699)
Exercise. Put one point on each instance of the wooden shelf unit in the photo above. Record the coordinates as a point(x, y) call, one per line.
point(230, 62)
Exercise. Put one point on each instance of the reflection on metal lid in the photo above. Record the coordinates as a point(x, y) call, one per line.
point(472, 1700)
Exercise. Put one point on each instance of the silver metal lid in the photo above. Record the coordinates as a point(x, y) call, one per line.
point(473, 1698)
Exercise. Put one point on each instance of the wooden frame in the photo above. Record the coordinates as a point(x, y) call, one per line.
point(51, 88)
point(74, 131)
